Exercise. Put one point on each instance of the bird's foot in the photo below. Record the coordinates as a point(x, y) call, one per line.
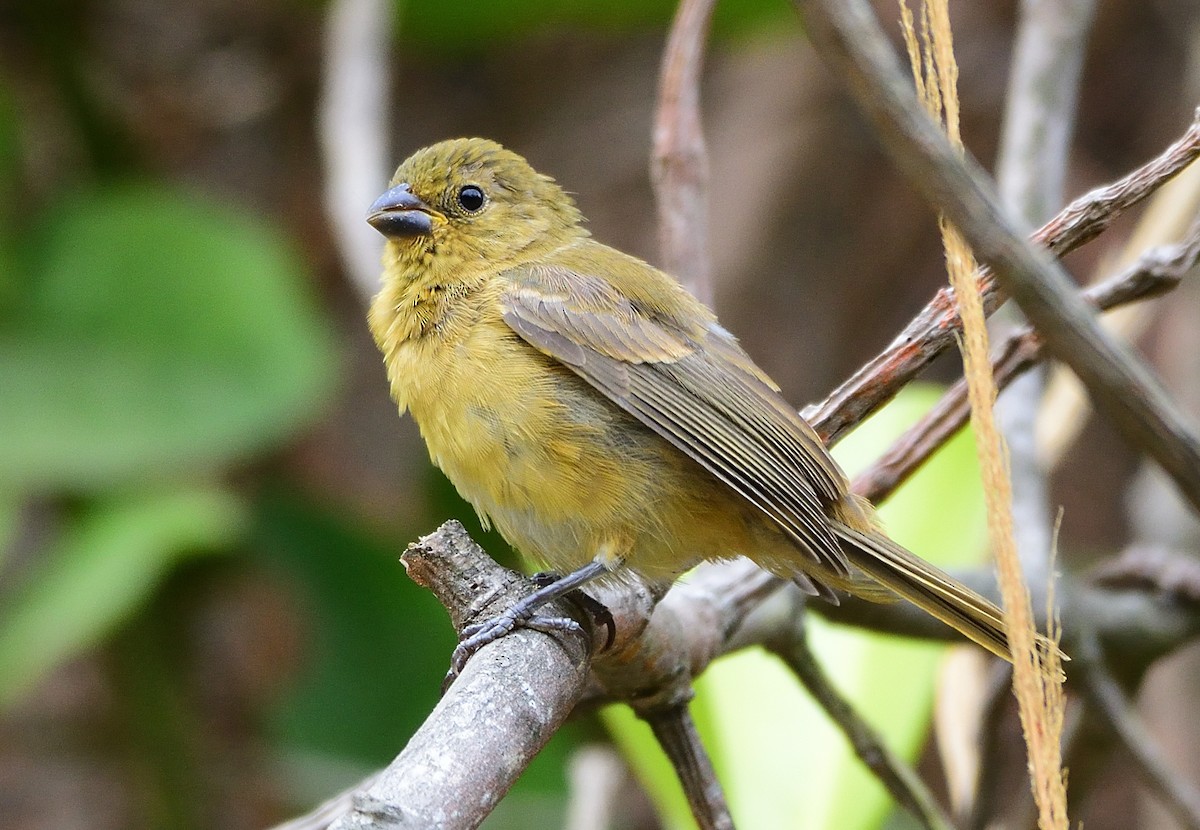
point(478, 635)
point(593, 607)
point(522, 615)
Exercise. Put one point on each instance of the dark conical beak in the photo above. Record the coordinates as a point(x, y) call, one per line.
point(399, 214)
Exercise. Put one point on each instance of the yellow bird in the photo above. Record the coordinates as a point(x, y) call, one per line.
point(597, 414)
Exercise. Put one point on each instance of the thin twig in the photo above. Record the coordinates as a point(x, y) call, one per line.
point(1156, 272)
point(1103, 691)
point(1122, 387)
point(904, 785)
point(676, 733)
point(983, 809)
point(679, 167)
point(1040, 107)
point(352, 122)
point(934, 329)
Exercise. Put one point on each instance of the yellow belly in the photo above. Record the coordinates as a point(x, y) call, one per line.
point(561, 471)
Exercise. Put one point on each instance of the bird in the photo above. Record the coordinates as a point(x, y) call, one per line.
point(598, 415)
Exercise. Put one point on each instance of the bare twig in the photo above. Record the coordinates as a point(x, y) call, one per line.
point(676, 733)
point(995, 702)
point(679, 169)
point(1106, 695)
point(933, 330)
point(352, 119)
point(1120, 384)
point(1039, 115)
point(595, 776)
point(1158, 271)
point(908, 790)
point(1039, 119)
point(1067, 408)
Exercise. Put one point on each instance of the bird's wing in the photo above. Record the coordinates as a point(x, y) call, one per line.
point(691, 383)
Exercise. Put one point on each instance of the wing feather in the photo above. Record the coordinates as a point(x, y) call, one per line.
point(693, 385)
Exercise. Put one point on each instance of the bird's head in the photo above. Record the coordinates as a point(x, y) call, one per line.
point(469, 204)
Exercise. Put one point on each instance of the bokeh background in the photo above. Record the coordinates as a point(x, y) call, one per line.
point(204, 487)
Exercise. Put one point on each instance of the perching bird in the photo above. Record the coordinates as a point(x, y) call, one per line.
point(596, 413)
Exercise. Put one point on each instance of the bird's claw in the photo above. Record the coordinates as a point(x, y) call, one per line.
point(478, 635)
point(593, 607)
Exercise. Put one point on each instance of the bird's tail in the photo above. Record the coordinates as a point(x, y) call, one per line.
point(927, 587)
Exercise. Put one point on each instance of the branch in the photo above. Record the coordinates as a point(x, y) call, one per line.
point(352, 124)
point(676, 733)
point(1122, 387)
point(790, 644)
point(515, 691)
point(1039, 119)
point(1106, 695)
point(1136, 622)
point(1043, 93)
point(679, 168)
point(934, 329)
point(493, 719)
point(1158, 271)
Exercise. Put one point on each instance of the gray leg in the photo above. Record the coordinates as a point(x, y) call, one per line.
point(522, 615)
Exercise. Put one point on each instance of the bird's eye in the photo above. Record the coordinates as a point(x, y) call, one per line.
point(471, 198)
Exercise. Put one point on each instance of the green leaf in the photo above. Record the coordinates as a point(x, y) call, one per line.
point(100, 571)
point(781, 761)
point(157, 331)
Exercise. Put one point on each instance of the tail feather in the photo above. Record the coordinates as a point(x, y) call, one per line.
point(927, 587)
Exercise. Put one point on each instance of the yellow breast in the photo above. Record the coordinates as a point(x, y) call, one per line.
point(561, 471)
point(517, 434)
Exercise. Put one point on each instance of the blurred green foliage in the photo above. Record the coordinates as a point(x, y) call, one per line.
point(153, 330)
point(379, 642)
point(101, 570)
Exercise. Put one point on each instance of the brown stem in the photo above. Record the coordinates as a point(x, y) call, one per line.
point(676, 733)
point(909, 791)
point(1103, 691)
point(1155, 273)
point(679, 168)
point(935, 328)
